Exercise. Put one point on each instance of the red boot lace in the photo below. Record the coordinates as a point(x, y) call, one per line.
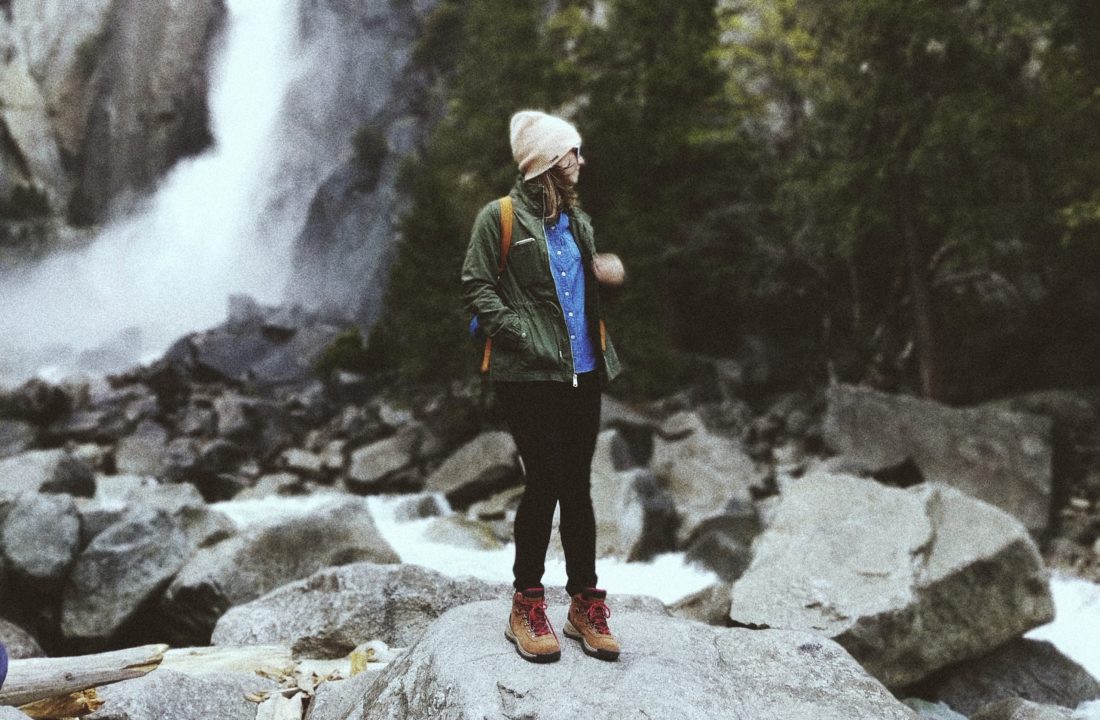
point(536, 618)
point(598, 612)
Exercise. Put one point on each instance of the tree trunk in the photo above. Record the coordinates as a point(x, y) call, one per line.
point(924, 323)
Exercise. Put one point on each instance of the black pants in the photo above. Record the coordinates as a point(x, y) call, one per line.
point(555, 427)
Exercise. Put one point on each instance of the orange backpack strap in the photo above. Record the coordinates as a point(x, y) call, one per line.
point(505, 246)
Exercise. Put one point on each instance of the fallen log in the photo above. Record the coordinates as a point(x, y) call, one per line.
point(42, 678)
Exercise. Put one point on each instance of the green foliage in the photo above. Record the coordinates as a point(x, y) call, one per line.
point(799, 170)
point(26, 202)
point(494, 58)
point(345, 352)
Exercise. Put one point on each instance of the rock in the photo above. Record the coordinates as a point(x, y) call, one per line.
point(996, 455)
point(20, 643)
point(122, 568)
point(336, 698)
point(45, 471)
point(15, 436)
point(345, 250)
point(723, 543)
point(1028, 669)
point(122, 496)
point(424, 505)
point(332, 456)
point(458, 670)
point(24, 116)
point(335, 609)
point(40, 539)
point(635, 517)
point(373, 464)
point(199, 421)
point(169, 695)
point(477, 470)
point(237, 416)
point(262, 558)
point(276, 349)
point(142, 453)
point(463, 533)
point(276, 484)
point(9, 713)
point(711, 605)
point(303, 462)
point(140, 82)
point(702, 472)
point(909, 581)
point(932, 711)
point(635, 427)
point(1018, 709)
point(36, 401)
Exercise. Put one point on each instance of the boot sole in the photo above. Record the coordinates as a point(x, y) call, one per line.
point(573, 633)
point(531, 657)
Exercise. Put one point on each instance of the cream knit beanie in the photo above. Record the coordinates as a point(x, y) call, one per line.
point(540, 140)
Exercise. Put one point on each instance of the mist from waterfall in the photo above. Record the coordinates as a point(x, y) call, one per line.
point(220, 223)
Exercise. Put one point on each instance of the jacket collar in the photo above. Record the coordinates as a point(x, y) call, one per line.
point(529, 195)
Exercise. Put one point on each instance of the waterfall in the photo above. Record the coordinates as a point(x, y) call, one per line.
point(220, 223)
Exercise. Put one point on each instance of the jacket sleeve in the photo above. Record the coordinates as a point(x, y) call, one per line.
point(479, 279)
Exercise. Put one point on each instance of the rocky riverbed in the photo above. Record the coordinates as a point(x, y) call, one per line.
point(823, 553)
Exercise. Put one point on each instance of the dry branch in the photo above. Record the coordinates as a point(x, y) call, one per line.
point(43, 678)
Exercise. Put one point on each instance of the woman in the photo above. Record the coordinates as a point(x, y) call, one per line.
point(549, 357)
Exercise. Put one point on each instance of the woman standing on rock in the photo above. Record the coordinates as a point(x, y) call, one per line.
point(531, 276)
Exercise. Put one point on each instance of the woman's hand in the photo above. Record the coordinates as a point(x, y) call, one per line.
point(608, 269)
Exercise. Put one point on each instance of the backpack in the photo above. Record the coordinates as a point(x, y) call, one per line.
point(505, 246)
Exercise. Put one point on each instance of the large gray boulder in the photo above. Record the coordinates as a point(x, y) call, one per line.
point(20, 643)
point(15, 436)
point(260, 559)
point(702, 472)
point(45, 471)
point(331, 612)
point(142, 453)
point(122, 568)
point(170, 695)
point(40, 539)
point(373, 464)
point(670, 668)
point(1028, 669)
point(635, 517)
point(996, 455)
point(477, 470)
point(120, 496)
point(909, 581)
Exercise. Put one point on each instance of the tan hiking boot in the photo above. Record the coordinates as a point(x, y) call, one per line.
point(529, 628)
point(587, 622)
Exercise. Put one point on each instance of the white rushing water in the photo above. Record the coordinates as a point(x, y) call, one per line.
point(205, 233)
point(1076, 627)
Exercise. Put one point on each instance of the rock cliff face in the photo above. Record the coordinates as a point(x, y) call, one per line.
point(98, 98)
point(344, 252)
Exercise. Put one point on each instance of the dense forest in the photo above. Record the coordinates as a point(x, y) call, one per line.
point(905, 194)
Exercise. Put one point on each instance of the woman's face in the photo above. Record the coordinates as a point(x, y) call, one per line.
point(571, 164)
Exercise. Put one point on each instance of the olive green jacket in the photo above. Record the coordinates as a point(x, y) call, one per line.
point(520, 310)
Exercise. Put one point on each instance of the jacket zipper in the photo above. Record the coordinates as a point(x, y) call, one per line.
point(550, 264)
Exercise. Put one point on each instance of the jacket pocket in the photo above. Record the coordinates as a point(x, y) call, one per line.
point(526, 263)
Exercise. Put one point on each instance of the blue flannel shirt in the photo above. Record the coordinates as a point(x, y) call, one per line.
point(565, 264)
